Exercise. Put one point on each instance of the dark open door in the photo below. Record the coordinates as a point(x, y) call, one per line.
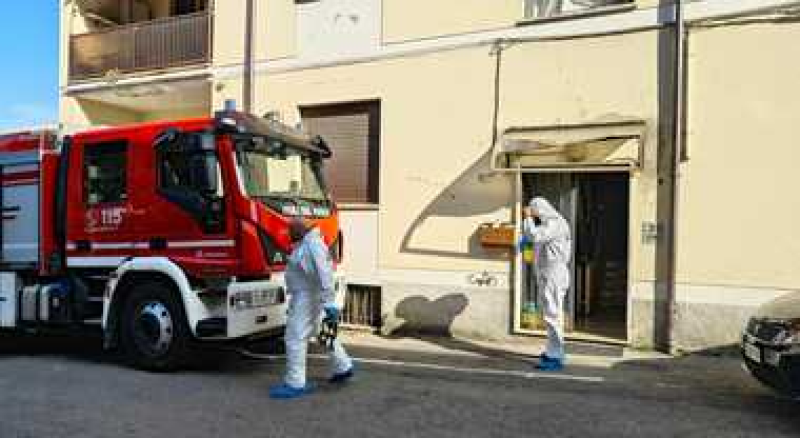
point(182, 7)
point(561, 190)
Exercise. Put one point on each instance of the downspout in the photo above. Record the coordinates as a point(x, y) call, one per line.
point(249, 57)
point(678, 122)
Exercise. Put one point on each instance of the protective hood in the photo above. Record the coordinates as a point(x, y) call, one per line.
point(312, 234)
point(544, 208)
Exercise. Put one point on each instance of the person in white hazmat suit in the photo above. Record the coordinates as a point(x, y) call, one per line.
point(552, 241)
point(310, 284)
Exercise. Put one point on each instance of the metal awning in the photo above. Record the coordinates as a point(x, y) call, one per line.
point(594, 146)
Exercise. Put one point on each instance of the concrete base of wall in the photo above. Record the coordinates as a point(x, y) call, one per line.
point(707, 318)
point(470, 312)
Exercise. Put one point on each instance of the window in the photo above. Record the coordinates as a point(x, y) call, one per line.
point(105, 173)
point(352, 131)
point(189, 176)
point(288, 176)
point(535, 9)
point(189, 164)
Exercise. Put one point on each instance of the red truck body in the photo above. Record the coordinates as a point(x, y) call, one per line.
point(199, 206)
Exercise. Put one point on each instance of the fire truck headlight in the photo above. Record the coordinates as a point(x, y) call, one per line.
point(242, 300)
point(258, 298)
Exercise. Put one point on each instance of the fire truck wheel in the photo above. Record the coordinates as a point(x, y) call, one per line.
point(154, 334)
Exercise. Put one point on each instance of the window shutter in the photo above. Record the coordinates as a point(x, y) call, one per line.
point(353, 133)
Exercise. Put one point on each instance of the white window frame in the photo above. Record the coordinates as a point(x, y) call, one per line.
point(529, 9)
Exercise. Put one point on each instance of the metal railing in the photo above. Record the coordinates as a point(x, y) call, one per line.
point(362, 307)
point(153, 45)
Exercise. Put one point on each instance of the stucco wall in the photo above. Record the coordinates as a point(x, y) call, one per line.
point(414, 19)
point(77, 114)
point(437, 111)
point(275, 30)
point(406, 20)
point(739, 212)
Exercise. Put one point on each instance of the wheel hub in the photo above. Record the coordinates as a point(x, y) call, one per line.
point(153, 329)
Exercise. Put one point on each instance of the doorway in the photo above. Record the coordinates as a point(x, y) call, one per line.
point(596, 205)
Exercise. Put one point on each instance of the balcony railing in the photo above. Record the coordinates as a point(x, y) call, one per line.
point(152, 45)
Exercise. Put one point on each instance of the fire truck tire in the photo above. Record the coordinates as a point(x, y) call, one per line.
point(154, 334)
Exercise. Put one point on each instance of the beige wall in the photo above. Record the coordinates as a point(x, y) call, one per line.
point(79, 114)
point(275, 29)
point(591, 80)
point(403, 20)
point(415, 19)
point(418, 19)
point(437, 111)
point(416, 138)
point(65, 27)
point(739, 209)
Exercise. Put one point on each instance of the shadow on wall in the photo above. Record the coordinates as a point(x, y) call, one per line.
point(474, 193)
point(423, 316)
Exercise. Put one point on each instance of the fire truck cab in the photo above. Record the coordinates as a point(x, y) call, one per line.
point(166, 234)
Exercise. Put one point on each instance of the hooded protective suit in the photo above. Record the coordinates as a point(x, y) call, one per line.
point(553, 245)
point(310, 283)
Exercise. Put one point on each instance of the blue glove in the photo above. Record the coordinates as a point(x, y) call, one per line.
point(331, 312)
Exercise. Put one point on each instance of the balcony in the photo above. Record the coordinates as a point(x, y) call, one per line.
point(164, 43)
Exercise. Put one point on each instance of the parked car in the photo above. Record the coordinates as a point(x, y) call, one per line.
point(771, 345)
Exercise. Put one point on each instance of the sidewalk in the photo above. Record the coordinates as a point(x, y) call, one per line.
point(584, 361)
point(579, 353)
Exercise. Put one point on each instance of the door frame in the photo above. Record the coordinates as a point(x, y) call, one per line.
point(518, 270)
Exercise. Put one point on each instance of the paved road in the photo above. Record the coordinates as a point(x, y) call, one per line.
point(68, 388)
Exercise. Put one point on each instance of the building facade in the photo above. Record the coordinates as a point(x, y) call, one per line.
point(446, 116)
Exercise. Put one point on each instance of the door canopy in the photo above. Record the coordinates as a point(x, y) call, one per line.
point(584, 147)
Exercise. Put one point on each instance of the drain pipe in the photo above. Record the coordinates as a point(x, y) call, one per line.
point(678, 123)
point(249, 57)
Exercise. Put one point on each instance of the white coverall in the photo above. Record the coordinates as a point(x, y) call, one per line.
point(553, 245)
point(310, 284)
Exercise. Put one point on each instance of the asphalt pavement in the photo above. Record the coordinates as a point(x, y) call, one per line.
point(68, 387)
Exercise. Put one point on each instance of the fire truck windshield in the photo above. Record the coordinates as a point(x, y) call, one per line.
point(283, 177)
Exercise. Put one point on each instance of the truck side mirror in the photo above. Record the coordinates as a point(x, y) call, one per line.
point(168, 137)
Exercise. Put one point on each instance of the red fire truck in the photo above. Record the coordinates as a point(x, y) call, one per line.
point(166, 235)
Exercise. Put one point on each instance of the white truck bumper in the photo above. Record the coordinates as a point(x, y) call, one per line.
point(251, 309)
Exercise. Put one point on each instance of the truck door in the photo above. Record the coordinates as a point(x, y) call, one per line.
point(188, 212)
point(100, 230)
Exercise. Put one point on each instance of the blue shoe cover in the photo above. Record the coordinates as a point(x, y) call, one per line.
point(284, 391)
point(343, 376)
point(550, 364)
